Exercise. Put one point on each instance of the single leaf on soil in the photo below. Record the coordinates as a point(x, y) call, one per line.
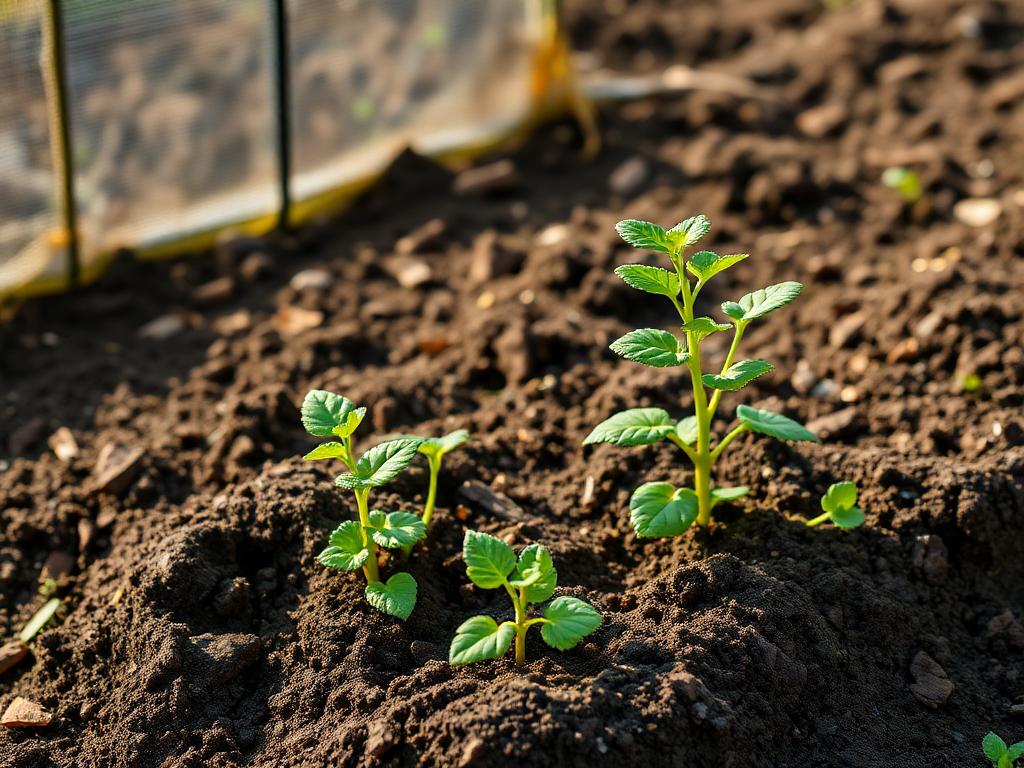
point(649, 279)
point(637, 426)
point(570, 620)
point(702, 327)
point(396, 598)
point(689, 231)
point(762, 301)
point(839, 496)
point(326, 451)
point(650, 346)
point(325, 413)
point(381, 464)
point(658, 509)
point(346, 551)
point(536, 572)
point(644, 234)
point(706, 264)
point(396, 529)
point(774, 424)
point(738, 375)
point(489, 560)
point(478, 639)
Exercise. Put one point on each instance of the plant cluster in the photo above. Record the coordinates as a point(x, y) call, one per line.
point(659, 508)
point(1001, 755)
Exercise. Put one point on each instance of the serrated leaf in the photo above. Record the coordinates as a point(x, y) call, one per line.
point(489, 560)
point(326, 451)
point(729, 494)
point(839, 496)
point(381, 464)
point(644, 234)
point(570, 620)
point(478, 639)
point(536, 572)
point(637, 426)
point(325, 413)
point(738, 375)
point(649, 279)
point(848, 517)
point(650, 346)
point(686, 430)
point(993, 746)
point(396, 597)
point(658, 509)
point(689, 231)
point(706, 264)
point(346, 551)
point(764, 300)
point(39, 620)
point(774, 424)
point(702, 327)
point(439, 446)
point(396, 529)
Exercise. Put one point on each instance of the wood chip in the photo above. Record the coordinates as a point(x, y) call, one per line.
point(11, 654)
point(115, 468)
point(22, 713)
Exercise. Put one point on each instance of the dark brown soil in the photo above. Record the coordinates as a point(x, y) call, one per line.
point(199, 628)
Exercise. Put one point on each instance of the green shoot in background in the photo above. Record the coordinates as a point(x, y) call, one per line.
point(1002, 756)
point(840, 505)
point(658, 508)
point(491, 563)
point(904, 181)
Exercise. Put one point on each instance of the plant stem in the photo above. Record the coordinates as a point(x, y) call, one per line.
point(434, 463)
point(819, 520)
point(521, 627)
point(370, 567)
point(737, 335)
point(736, 432)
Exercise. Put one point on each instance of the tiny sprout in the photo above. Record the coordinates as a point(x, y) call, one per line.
point(904, 181)
point(489, 564)
point(970, 382)
point(435, 448)
point(1002, 756)
point(840, 505)
point(39, 620)
point(659, 508)
point(353, 544)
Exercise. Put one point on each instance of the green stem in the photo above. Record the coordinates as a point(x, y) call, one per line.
point(702, 485)
point(521, 627)
point(740, 327)
point(736, 432)
point(370, 567)
point(428, 507)
point(683, 446)
point(819, 520)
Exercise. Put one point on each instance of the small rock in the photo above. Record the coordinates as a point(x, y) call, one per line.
point(162, 327)
point(493, 502)
point(432, 345)
point(382, 736)
point(491, 259)
point(833, 424)
point(932, 686)
point(11, 654)
point(905, 350)
point(116, 467)
point(1017, 710)
point(214, 292)
point(422, 238)
point(86, 530)
point(409, 272)
point(291, 321)
point(818, 122)
point(232, 323)
point(501, 176)
point(977, 211)
point(803, 378)
point(22, 713)
point(63, 444)
point(58, 565)
point(928, 325)
point(629, 177)
point(553, 235)
point(473, 749)
point(27, 435)
point(311, 280)
point(256, 266)
point(930, 557)
point(847, 330)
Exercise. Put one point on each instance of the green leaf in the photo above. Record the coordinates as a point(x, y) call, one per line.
point(738, 375)
point(686, 430)
point(396, 598)
point(569, 621)
point(650, 346)
point(637, 426)
point(439, 446)
point(774, 424)
point(39, 620)
point(993, 746)
point(839, 496)
point(478, 639)
point(381, 464)
point(489, 560)
point(346, 551)
point(702, 327)
point(658, 509)
point(690, 230)
point(326, 451)
point(536, 572)
point(324, 413)
point(762, 301)
point(644, 234)
point(649, 279)
point(706, 264)
point(396, 529)
point(729, 494)
point(848, 517)
point(1015, 751)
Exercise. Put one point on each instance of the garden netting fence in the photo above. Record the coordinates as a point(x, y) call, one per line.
point(156, 125)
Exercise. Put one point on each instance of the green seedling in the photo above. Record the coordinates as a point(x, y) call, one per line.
point(39, 620)
point(970, 382)
point(659, 508)
point(435, 448)
point(840, 505)
point(1002, 756)
point(353, 544)
point(491, 563)
point(904, 181)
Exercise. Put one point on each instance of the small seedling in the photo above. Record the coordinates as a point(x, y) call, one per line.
point(353, 544)
point(39, 620)
point(1002, 756)
point(905, 181)
point(660, 509)
point(435, 448)
point(840, 505)
point(970, 382)
point(490, 563)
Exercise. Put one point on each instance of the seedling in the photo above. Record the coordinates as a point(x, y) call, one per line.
point(659, 508)
point(353, 544)
point(1002, 756)
point(970, 382)
point(904, 181)
point(435, 448)
point(840, 505)
point(39, 620)
point(491, 563)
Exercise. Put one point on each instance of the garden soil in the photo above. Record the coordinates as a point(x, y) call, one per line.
point(182, 529)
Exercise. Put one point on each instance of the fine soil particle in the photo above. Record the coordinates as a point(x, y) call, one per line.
point(199, 628)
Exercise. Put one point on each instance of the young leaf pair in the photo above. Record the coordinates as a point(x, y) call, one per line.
point(490, 564)
point(659, 508)
point(840, 505)
point(1001, 755)
point(353, 544)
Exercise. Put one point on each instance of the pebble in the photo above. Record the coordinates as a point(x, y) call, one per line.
point(22, 713)
point(115, 468)
point(501, 176)
point(86, 530)
point(905, 350)
point(630, 176)
point(977, 211)
point(214, 292)
point(818, 122)
point(494, 503)
point(422, 238)
point(11, 654)
point(932, 686)
point(291, 321)
point(803, 378)
point(409, 272)
point(311, 279)
point(928, 325)
point(63, 444)
point(847, 330)
point(833, 424)
point(553, 235)
point(382, 736)
point(256, 266)
point(162, 327)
